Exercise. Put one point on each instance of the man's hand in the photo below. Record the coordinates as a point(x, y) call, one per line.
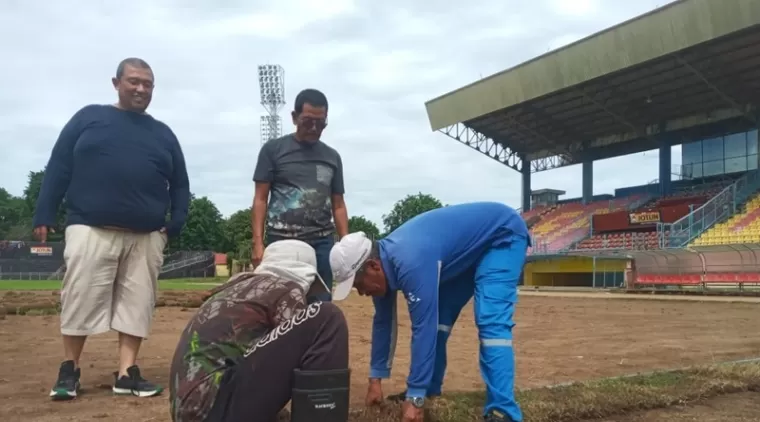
point(409, 413)
point(374, 393)
point(257, 253)
point(41, 233)
point(165, 234)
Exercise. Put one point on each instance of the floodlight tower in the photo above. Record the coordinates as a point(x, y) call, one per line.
point(272, 88)
point(271, 127)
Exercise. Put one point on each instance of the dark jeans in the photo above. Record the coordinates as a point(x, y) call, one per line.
point(256, 388)
point(322, 246)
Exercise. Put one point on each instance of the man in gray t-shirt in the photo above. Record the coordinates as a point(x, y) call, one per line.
point(299, 187)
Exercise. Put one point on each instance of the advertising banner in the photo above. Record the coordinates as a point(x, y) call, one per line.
point(646, 217)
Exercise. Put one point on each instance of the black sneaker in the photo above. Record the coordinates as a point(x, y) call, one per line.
point(135, 384)
point(496, 416)
point(67, 386)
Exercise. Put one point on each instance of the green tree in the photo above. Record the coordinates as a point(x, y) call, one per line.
point(237, 228)
point(238, 235)
point(203, 229)
point(359, 223)
point(32, 189)
point(14, 220)
point(408, 208)
point(7, 213)
point(31, 193)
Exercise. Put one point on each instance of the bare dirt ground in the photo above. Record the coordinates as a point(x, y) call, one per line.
point(558, 339)
point(744, 407)
point(645, 296)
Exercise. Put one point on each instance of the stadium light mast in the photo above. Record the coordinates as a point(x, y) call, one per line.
point(272, 90)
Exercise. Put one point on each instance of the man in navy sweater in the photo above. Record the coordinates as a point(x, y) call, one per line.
point(120, 170)
point(439, 260)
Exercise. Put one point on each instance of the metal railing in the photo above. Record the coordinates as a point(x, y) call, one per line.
point(58, 275)
point(202, 256)
point(745, 187)
point(32, 276)
point(679, 233)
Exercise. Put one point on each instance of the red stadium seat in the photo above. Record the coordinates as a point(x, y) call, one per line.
point(694, 278)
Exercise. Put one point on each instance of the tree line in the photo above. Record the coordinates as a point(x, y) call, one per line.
point(205, 230)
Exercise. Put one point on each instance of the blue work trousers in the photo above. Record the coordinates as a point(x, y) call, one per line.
point(493, 282)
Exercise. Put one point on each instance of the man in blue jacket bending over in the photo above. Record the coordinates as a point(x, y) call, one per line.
point(439, 259)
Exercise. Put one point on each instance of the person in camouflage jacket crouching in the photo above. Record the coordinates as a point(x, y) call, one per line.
point(236, 357)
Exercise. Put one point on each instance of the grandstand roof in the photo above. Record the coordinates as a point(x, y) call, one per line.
point(542, 191)
point(687, 64)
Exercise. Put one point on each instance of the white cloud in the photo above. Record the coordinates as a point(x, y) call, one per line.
point(575, 8)
point(378, 62)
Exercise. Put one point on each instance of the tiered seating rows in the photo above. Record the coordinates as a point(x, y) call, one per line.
point(567, 223)
point(741, 228)
point(541, 209)
point(648, 240)
point(706, 191)
point(624, 240)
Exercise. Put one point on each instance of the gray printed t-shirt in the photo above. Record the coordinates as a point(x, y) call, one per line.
point(303, 178)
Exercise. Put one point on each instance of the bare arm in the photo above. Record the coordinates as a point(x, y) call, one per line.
point(340, 214)
point(262, 177)
point(259, 211)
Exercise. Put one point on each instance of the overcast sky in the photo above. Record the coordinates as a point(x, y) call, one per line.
point(377, 62)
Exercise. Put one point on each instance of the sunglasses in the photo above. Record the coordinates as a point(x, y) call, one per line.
point(309, 123)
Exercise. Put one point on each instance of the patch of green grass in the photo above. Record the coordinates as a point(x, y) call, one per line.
point(591, 400)
point(30, 284)
point(190, 284)
point(172, 284)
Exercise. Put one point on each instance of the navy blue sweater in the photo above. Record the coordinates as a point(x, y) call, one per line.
point(116, 168)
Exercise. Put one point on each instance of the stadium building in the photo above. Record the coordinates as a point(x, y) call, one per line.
point(684, 74)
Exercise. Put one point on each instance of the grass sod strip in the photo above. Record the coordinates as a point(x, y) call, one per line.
point(593, 399)
point(22, 303)
point(170, 284)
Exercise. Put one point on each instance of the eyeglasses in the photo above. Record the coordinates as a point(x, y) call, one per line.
point(309, 123)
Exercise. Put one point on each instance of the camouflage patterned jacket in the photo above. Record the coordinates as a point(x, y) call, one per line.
point(230, 322)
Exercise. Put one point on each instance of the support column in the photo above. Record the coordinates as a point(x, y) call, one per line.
point(588, 181)
point(665, 165)
point(525, 171)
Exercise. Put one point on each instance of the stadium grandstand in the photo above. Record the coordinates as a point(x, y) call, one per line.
point(684, 74)
point(20, 260)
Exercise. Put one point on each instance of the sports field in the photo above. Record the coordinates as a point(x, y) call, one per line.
point(558, 339)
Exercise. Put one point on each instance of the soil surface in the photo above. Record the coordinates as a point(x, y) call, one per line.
point(557, 339)
point(744, 407)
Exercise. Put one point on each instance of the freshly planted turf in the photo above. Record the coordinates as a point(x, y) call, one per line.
point(594, 399)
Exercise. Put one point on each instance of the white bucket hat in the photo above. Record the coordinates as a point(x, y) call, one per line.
point(293, 260)
point(346, 258)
